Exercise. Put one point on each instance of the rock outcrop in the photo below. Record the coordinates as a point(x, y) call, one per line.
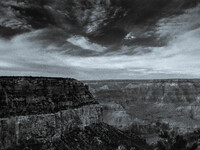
point(46, 127)
point(43, 109)
point(98, 136)
point(34, 95)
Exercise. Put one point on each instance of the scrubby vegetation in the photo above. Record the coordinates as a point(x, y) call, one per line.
point(170, 140)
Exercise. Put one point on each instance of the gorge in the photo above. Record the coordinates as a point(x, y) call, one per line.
point(55, 113)
point(43, 108)
point(61, 113)
point(148, 106)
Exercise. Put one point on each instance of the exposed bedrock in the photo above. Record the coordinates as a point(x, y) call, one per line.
point(172, 101)
point(175, 90)
point(43, 109)
point(35, 95)
point(46, 127)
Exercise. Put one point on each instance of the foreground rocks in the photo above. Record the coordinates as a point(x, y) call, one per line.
point(93, 137)
point(43, 109)
point(46, 127)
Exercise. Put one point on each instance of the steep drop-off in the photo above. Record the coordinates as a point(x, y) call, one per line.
point(98, 136)
point(43, 109)
point(56, 114)
point(32, 95)
point(46, 127)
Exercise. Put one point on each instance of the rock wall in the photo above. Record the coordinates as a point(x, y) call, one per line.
point(175, 90)
point(46, 127)
point(174, 101)
point(34, 95)
point(165, 91)
point(43, 109)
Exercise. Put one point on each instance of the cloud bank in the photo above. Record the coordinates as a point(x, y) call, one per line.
point(54, 51)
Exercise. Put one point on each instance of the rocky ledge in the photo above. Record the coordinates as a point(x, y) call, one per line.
point(97, 136)
point(39, 95)
point(43, 109)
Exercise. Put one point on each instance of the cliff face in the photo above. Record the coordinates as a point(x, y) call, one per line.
point(30, 95)
point(175, 91)
point(168, 91)
point(143, 102)
point(46, 127)
point(43, 109)
point(102, 137)
point(97, 136)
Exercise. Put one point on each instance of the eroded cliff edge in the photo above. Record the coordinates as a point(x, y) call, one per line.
point(42, 109)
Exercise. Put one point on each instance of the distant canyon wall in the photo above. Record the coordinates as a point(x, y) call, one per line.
point(175, 91)
point(129, 102)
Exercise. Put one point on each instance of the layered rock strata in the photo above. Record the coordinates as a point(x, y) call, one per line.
point(43, 109)
point(46, 127)
point(172, 90)
point(34, 95)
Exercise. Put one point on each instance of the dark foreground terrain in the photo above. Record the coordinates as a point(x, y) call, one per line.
point(94, 137)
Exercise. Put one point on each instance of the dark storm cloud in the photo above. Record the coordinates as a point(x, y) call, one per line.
point(100, 39)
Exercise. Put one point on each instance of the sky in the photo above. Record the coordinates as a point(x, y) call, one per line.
point(97, 40)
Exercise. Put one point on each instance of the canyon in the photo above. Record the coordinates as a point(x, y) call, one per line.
point(148, 106)
point(64, 113)
point(43, 109)
point(56, 113)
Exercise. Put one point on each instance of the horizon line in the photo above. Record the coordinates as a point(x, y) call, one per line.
point(139, 79)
